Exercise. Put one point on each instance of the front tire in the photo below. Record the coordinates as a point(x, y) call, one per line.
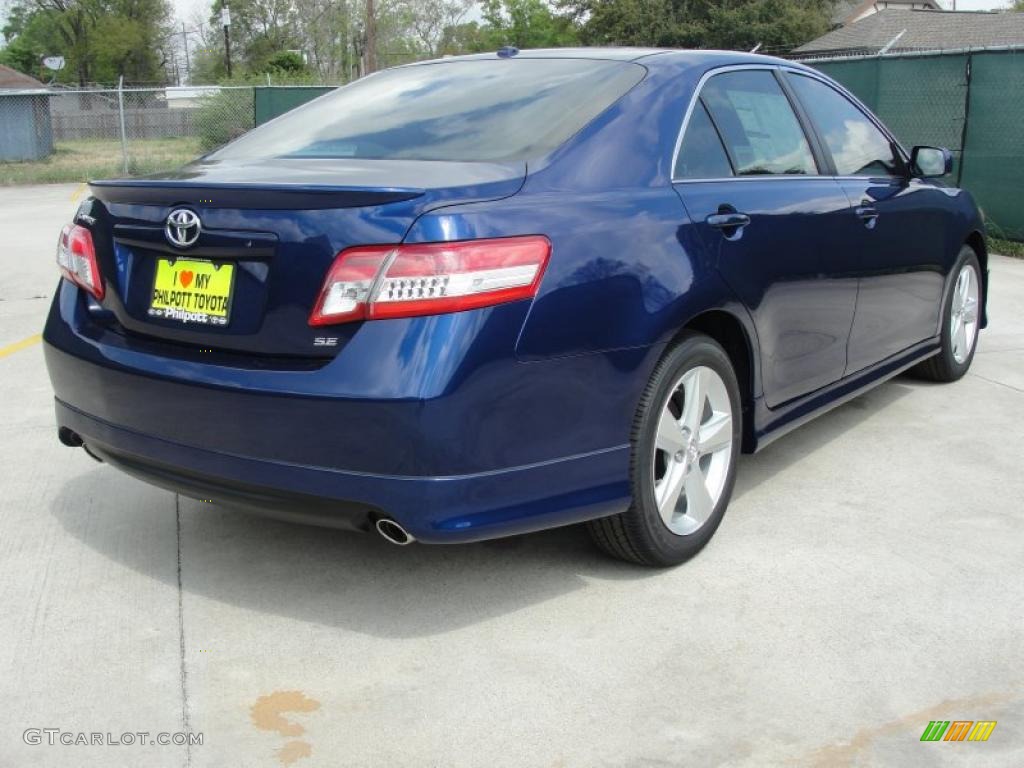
point(685, 445)
point(961, 322)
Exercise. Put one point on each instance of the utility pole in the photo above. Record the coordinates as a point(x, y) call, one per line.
point(188, 66)
point(371, 38)
point(225, 19)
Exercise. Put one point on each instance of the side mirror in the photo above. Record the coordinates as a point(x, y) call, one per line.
point(931, 162)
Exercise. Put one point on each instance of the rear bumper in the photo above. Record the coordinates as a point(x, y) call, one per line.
point(434, 396)
point(433, 509)
point(432, 422)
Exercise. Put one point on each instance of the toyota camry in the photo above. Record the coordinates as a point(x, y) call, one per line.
point(500, 293)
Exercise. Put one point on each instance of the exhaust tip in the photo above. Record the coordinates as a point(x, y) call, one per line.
point(393, 532)
point(69, 437)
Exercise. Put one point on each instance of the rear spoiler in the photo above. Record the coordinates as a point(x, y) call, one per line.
point(267, 197)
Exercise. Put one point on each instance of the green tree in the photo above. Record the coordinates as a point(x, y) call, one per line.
point(625, 22)
point(526, 24)
point(468, 37)
point(777, 25)
point(27, 37)
point(101, 40)
point(731, 24)
point(286, 63)
point(259, 29)
point(133, 41)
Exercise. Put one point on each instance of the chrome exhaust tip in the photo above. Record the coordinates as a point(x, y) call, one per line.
point(393, 532)
point(69, 437)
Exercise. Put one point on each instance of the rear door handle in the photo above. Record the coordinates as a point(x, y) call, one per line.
point(868, 214)
point(728, 220)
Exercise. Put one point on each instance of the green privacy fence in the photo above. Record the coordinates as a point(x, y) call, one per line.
point(970, 102)
point(271, 101)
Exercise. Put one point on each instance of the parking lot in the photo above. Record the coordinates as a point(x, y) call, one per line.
point(868, 578)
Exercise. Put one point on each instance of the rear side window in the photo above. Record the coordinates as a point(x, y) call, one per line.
point(858, 148)
point(757, 123)
point(701, 155)
point(482, 110)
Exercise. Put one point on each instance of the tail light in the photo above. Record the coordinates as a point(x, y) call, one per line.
point(384, 281)
point(76, 257)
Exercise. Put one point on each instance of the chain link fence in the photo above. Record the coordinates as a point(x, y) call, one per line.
point(70, 135)
point(969, 101)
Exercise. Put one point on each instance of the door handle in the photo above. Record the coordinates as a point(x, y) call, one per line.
point(728, 220)
point(868, 214)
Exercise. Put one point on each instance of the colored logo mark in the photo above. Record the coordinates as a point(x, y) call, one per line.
point(958, 730)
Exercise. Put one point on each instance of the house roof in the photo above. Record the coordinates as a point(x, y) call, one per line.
point(842, 9)
point(925, 31)
point(845, 10)
point(12, 79)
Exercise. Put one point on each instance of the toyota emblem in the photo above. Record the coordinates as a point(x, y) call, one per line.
point(183, 227)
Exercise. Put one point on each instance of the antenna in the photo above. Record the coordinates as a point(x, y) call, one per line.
point(891, 43)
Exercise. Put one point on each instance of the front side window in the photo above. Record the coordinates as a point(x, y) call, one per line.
point(478, 110)
point(757, 123)
point(858, 148)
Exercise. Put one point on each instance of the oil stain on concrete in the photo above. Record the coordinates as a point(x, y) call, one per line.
point(267, 715)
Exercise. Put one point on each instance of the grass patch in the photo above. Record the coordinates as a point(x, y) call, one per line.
point(86, 159)
point(1006, 247)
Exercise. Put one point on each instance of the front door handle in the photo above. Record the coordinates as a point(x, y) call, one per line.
point(728, 220)
point(868, 214)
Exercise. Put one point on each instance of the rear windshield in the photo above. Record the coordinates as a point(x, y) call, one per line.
point(482, 110)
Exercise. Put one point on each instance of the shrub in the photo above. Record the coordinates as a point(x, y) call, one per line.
point(224, 116)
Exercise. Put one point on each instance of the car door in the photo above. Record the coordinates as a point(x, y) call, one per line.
point(897, 224)
point(748, 175)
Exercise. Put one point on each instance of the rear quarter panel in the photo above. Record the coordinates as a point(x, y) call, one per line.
point(627, 271)
point(623, 264)
point(626, 268)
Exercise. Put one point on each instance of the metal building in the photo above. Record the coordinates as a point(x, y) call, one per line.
point(25, 129)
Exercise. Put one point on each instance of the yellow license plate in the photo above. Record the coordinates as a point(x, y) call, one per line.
point(192, 291)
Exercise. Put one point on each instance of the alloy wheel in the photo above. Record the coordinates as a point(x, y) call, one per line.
point(963, 321)
point(692, 450)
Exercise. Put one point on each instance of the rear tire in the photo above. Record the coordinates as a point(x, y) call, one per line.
point(685, 444)
point(961, 322)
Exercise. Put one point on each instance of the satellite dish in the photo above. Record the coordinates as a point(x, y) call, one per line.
point(56, 63)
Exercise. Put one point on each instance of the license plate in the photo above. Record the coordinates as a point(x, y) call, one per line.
point(192, 291)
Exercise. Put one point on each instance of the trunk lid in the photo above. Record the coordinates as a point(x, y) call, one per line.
point(279, 238)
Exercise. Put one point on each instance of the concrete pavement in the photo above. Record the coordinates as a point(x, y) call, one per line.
point(866, 580)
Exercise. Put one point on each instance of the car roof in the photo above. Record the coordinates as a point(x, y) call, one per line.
point(611, 53)
point(651, 57)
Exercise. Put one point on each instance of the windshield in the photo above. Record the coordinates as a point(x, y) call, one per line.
point(475, 110)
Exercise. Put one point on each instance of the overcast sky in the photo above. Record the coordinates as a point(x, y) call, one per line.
point(976, 5)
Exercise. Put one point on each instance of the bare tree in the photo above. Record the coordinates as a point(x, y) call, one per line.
point(428, 20)
point(370, 51)
point(326, 29)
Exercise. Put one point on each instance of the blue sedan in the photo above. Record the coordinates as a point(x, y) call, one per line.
point(499, 293)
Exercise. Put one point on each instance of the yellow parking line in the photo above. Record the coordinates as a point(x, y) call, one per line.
point(17, 346)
